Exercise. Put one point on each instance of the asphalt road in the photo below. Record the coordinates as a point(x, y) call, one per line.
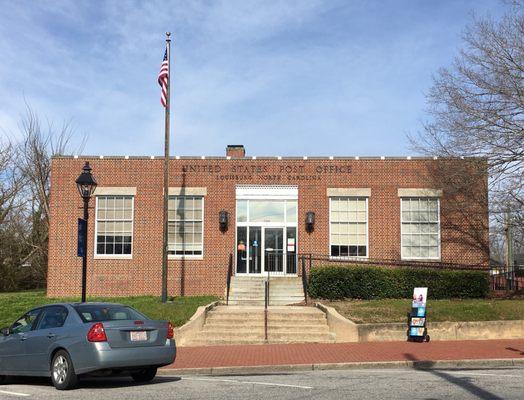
point(492, 384)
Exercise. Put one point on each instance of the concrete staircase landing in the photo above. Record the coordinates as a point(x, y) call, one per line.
point(245, 325)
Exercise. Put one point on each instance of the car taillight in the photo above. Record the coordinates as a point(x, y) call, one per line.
point(97, 333)
point(170, 331)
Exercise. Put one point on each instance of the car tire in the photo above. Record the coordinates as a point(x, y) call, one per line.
point(63, 372)
point(144, 375)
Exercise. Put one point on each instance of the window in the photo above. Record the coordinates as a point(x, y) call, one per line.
point(185, 225)
point(114, 225)
point(52, 317)
point(348, 227)
point(267, 211)
point(109, 312)
point(420, 227)
point(25, 323)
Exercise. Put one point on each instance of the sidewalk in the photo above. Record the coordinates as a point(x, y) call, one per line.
point(282, 356)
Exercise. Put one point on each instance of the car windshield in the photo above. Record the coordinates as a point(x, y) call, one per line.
point(107, 312)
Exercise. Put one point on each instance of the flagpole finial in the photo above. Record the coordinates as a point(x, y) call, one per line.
point(168, 34)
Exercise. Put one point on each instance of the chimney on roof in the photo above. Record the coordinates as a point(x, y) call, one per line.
point(235, 150)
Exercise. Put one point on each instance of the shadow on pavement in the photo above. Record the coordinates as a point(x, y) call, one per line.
point(93, 382)
point(464, 382)
point(121, 382)
point(517, 350)
point(255, 374)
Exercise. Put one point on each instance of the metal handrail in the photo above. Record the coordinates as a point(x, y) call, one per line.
point(304, 277)
point(279, 262)
point(266, 304)
point(323, 258)
point(228, 278)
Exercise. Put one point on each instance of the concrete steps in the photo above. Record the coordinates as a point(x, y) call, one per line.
point(245, 325)
point(250, 291)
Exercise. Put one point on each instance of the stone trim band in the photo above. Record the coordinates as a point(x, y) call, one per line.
point(348, 192)
point(187, 191)
point(419, 192)
point(115, 191)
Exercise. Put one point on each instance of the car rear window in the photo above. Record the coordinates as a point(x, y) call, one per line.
point(101, 313)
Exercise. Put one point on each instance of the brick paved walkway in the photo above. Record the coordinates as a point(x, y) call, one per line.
point(280, 354)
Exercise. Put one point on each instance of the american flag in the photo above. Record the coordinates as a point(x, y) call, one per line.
point(163, 76)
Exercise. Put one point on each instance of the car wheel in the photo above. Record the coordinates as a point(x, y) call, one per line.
point(62, 371)
point(144, 375)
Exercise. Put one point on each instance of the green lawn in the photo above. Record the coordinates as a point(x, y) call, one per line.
point(395, 310)
point(13, 305)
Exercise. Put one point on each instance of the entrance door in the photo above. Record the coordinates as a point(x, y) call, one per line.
point(249, 250)
point(274, 250)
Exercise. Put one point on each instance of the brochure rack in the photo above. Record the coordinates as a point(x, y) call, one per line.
point(417, 330)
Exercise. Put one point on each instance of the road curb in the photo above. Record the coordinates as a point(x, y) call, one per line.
point(259, 369)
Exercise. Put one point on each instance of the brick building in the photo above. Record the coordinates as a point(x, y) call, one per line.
point(368, 207)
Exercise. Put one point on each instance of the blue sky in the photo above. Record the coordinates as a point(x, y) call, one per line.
point(281, 77)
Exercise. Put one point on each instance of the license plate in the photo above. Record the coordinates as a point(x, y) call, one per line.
point(138, 336)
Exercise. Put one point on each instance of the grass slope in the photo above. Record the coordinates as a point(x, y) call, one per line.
point(13, 305)
point(395, 310)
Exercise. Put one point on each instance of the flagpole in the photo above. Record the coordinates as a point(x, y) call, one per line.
point(166, 171)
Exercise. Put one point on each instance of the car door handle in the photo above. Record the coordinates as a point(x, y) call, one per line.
point(51, 335)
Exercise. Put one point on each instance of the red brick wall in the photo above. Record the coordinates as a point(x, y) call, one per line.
point(142, 273)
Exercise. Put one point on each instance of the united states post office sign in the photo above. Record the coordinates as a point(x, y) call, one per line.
point(267, 172)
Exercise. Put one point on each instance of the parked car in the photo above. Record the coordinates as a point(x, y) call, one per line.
point(64, 341)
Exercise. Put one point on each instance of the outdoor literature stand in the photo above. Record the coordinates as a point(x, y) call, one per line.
point(417, 330)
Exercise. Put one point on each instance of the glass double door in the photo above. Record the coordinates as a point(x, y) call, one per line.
point(262, 249)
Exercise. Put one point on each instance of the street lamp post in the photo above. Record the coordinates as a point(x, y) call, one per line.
point(86, 185)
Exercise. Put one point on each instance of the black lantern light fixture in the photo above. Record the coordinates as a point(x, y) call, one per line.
point(223, 220)
point(310, 221)
point(86, 185)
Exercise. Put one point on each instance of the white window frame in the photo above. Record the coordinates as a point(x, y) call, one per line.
point(402, 257)
point(191, 256)
point(367, 230)
point(95, 241)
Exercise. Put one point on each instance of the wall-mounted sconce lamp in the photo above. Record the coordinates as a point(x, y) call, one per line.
point(223, 218)
point(310, 221)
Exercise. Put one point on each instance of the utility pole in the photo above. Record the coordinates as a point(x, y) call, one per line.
point(509, 252)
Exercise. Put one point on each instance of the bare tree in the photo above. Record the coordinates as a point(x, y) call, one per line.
point(25, 173)
point(11, 246)
point(476, 108)
point(37, 147)
point(10, 181)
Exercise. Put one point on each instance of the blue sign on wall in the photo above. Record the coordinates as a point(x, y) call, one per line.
point(82, 234)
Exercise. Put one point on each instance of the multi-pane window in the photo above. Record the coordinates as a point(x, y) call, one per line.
point(348, 227)
point(262, 211)
point(420, 227)
point(114, 225)
point(185, 225)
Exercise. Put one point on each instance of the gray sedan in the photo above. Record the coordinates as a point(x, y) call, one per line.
point(66, 340)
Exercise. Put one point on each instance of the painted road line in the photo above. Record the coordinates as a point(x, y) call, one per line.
point(482, 374)
point(423, 371)
point(14, 393)
point(247, 382)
